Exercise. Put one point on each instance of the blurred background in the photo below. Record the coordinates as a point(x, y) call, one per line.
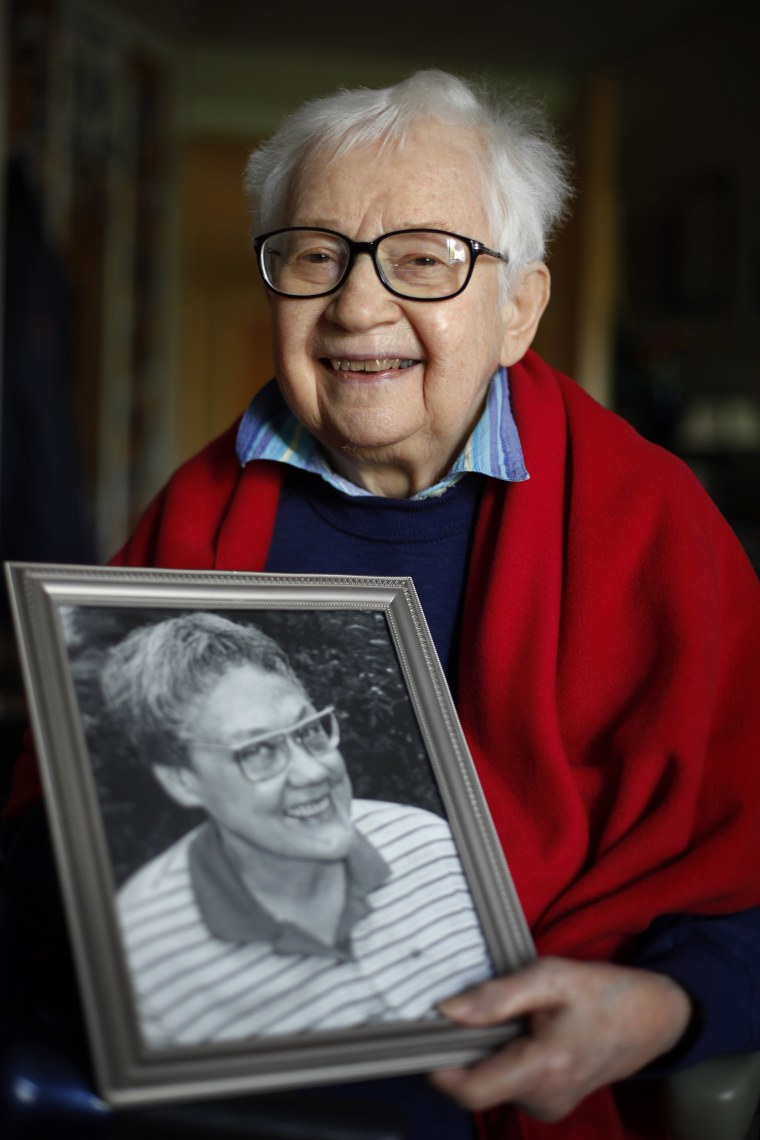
point(134, 325)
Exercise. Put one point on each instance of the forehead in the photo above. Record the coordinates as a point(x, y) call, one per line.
point(433, 180)
point(245, 701)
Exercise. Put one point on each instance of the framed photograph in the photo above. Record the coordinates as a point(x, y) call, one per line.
point(275, 855)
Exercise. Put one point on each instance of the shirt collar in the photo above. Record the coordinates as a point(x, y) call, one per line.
point(269, 430)
point(230, 912)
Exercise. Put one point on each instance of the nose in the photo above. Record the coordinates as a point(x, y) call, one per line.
point(362, 301)
point(306, 769)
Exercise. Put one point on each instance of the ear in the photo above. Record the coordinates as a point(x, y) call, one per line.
point(525, 307)
point(179, 783)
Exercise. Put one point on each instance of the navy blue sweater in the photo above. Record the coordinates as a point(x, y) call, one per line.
point(321, 530)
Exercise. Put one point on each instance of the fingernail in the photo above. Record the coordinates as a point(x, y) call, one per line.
point(456, 1007)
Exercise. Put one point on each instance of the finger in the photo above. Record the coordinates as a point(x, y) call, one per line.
point(524, 1073)
point(538, 986)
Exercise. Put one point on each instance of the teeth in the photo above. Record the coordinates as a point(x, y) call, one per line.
point(391, 362)
point(307, 810)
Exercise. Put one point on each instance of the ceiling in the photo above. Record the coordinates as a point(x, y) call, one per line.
point(564, 36)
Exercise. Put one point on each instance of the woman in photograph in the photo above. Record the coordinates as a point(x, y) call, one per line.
point(293, 907)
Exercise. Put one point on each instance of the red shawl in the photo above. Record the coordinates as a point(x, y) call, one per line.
point(609, 677)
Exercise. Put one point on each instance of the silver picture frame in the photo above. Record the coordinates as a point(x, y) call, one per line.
point(364, 644)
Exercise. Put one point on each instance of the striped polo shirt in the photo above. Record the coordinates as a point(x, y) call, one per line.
point(416, 941)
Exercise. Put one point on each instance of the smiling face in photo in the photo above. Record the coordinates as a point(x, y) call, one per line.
point(301, 812)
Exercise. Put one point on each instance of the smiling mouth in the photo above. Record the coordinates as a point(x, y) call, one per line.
point(385, 364)
point(311, 809)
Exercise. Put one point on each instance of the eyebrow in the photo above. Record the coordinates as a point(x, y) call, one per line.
point(258, 734)
point(337, 225)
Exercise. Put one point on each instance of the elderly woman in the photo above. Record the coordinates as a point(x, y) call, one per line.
point(597, 619)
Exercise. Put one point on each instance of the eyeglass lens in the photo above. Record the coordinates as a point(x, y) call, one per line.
point(418, 264)
point(268, 755)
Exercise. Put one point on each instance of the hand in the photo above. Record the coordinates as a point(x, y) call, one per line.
point(588, 1024)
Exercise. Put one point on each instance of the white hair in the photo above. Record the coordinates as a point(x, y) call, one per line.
point(522, 171)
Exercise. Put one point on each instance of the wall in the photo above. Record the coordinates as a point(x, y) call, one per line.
point(223, 327)
point(688, 363)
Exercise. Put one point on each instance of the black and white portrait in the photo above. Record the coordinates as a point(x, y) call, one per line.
point(281, 858)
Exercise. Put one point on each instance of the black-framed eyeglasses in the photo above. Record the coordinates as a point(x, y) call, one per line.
point(419, 265)
point(268, 754)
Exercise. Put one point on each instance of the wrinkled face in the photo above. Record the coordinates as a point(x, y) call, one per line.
point(371, 374)
point(303, 812)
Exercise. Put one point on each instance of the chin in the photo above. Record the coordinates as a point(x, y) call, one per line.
point(331, 852)
point(371, 432)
